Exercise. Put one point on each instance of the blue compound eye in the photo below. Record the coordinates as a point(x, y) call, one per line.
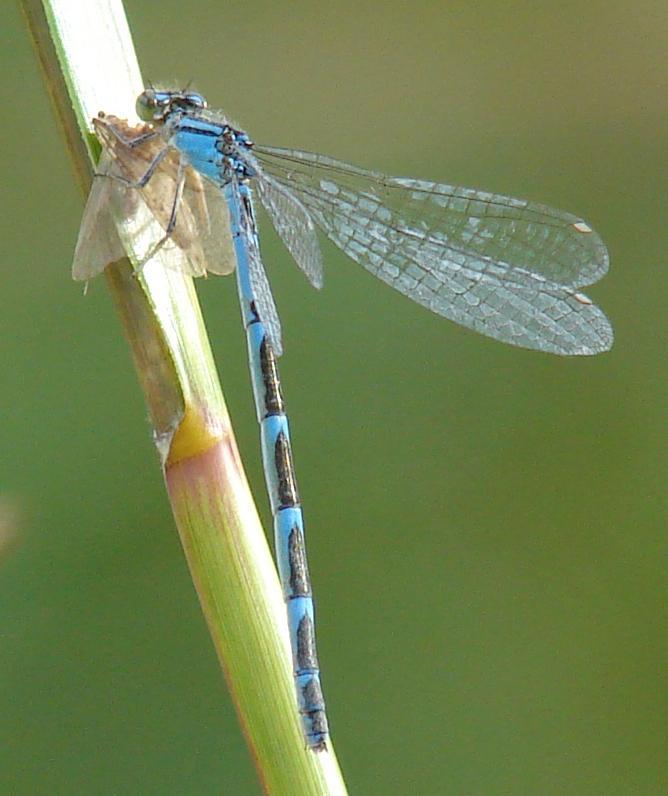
point(150, 105)
point(155, 106)
point(193, 101)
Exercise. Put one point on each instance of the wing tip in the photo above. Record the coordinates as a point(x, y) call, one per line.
point(601, 340)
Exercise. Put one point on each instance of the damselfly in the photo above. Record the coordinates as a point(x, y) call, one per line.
point(508, 268)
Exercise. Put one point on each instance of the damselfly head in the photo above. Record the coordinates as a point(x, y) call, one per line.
point(154, 105)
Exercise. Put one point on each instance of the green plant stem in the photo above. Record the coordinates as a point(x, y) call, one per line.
point(88, 60)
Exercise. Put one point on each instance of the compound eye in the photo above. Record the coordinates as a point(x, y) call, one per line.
point(195, 100)
point(146, 106)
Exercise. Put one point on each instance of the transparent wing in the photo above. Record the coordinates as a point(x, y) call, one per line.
point(294, 226)
point(265, 306)
point(116, 221)
point(98, 243)
point(507, 268)
point(261, 291)
point(200, 215)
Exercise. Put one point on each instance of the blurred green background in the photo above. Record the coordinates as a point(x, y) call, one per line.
point(487, 526)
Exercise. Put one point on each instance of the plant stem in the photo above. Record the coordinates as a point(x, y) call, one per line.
point(89, 64)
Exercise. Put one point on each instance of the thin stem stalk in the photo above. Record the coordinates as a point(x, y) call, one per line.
point(89, 64)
